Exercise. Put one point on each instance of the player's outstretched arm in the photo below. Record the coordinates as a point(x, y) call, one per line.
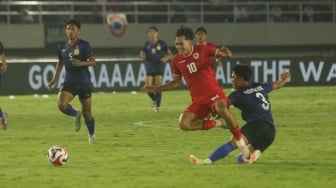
point(223, 52)
point(283, 80)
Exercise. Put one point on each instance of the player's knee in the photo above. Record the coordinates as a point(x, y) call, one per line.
point(62, 106)
point(184, 126)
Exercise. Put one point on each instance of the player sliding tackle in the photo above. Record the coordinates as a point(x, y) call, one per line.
point(193, 64)
point(252, 100)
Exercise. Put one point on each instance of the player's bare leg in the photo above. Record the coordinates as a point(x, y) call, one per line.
point(63, 103)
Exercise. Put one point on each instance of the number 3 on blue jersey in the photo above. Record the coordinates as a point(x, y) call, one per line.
point(265, 104)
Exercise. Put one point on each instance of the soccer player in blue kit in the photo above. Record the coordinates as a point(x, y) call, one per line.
point(155, 52)
point(3, 115)
point(76, 56)
point(252, 100)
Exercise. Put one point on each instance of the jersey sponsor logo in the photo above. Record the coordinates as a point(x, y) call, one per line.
point(183, 61)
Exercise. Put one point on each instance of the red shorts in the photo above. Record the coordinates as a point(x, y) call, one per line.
point(203, 111)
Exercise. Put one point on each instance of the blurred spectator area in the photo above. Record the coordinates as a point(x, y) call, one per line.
point(168, 11)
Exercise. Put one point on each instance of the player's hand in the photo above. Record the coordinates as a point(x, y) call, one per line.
point(285, 76)
point(50, 85)
point(3, 68)
point(142, 55)
point(76, 63)
point(146, 88)
point(226, 52)
point(164, 59)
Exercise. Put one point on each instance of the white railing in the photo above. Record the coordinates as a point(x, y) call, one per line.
point(52, 12)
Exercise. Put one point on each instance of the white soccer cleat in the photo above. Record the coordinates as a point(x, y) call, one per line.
point(154, 107)
point(77, 121)
point(92, 139)
point(253, 157)
point(195, 160)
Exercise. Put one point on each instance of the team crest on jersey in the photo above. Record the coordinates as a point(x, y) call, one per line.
point(76, 50)
point(158, 47)
point(196, 55)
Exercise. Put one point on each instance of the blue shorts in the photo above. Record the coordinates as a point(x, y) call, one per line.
point(83, 91)
point(154, 69)
point(259, 134)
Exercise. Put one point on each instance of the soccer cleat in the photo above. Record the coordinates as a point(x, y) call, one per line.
point(4, 120)
point(253, 157)
point(154, 107)
point(92, 139)
point(195, 160)
point(78, 121)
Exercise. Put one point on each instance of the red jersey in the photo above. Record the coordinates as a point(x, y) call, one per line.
point(197, 71)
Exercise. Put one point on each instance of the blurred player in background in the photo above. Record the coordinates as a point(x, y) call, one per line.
point(3, 115)
point(252, 100)
point(155, 52)
point(192, 63)
point(76, 55)
point(201, 39)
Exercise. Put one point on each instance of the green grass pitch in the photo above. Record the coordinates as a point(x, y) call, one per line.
point(139, 148)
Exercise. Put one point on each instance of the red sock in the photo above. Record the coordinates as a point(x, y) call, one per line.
point(236, 133)
point(208, 124)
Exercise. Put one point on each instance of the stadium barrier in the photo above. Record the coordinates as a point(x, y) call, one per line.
point(128, 74)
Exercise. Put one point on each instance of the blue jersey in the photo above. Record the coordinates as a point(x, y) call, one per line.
point(155, 51)
point(252, 101)
point(81, 50)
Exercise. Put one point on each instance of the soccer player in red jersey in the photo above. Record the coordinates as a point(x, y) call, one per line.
point(201, 39)
point(192, 63)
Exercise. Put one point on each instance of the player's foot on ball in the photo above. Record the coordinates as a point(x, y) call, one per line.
point(78, 121)
point(4, 120)
point(195, 160)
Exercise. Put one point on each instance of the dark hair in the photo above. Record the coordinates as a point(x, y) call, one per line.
point(186, 32)
point(201, 29)
point(243, 71)
point(73, 22)
point(154, 28)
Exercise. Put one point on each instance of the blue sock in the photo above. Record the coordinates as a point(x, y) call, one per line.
point(221, 152)
point(158, 99)
point(1, 113)
point(152, 96)
point(70, 111)
point(90, 124)
point(240, 159)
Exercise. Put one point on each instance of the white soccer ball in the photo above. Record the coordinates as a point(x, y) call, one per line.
point(58, 155)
